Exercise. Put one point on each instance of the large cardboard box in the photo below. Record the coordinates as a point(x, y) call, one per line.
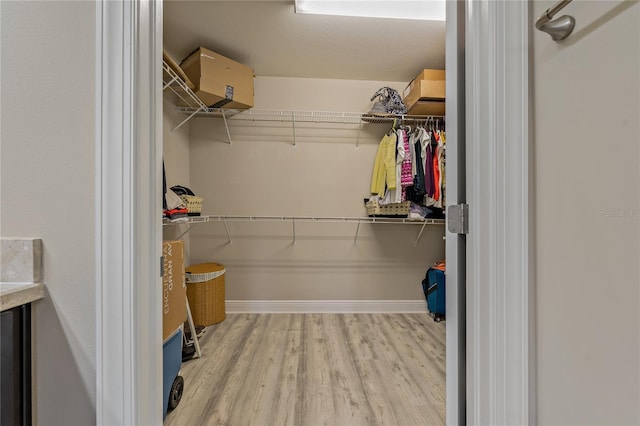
point(426, 93)
point(220, 82)
point(174, 289)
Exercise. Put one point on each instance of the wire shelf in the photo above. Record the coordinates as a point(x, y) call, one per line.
point(293, 220)
point(301, 219)
point(196, 108)
point(290, 116)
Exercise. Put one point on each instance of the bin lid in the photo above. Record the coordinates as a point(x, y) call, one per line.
point(202, 272)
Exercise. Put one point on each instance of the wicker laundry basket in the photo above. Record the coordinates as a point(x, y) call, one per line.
point(205, 291)
point(193, 204)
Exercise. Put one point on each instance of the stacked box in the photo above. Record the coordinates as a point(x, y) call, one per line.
point(425, 95)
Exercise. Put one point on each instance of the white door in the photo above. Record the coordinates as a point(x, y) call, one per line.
point(587, 178)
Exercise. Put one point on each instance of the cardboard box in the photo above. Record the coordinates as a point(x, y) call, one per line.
point(426, 93)
point(220, 82)
point(174, 289)
point(426, 74)
point(427, 108)
point(425, 90)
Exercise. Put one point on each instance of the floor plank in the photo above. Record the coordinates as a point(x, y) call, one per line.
point(316, 369)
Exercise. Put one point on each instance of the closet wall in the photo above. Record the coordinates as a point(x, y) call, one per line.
point(326, 173)
point(176, 155)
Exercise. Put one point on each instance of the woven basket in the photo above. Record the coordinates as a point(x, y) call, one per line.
point(205, 291)
point(393, 209)
point(193, 203)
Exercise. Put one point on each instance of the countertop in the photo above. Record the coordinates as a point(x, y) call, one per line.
point(16, 294)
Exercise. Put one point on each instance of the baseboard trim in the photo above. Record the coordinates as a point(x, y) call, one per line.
point(325, 306)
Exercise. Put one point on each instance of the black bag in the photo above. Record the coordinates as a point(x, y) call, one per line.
point(182, 190)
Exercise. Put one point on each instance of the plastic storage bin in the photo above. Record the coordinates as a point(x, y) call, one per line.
point(172, 382)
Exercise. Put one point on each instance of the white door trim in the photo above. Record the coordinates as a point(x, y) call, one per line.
point(455, 244)
point(128, 223)
point(500, 366)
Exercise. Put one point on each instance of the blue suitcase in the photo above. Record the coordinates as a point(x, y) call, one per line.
point(434, 288)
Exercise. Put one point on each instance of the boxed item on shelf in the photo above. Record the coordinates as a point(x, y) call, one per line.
point(374, 208)
point(174, 287)
point(220, 82)
point(427, 108)
point(425, 95)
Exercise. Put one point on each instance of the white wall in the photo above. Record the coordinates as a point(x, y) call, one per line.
point(176, 156)
point(47, 183)
point(175, 143)
point(587, 209)
point(325, 174)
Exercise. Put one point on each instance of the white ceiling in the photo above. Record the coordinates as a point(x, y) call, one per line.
point(268, 36)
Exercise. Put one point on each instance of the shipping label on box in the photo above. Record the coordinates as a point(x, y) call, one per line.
point(174, 290)
point(220, 82)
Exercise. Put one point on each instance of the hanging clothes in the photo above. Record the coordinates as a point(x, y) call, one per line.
point(436, 168)
point(406, 176)
point(384, 168)
point(416, 192)
point(428, 167)
point(419, 185)
point(441, 168)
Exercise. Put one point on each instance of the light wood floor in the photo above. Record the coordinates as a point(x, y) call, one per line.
point(316, 369)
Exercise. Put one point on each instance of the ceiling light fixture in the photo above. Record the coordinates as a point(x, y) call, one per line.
point(428, 10)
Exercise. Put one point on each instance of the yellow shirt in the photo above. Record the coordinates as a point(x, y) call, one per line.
point(384, 168)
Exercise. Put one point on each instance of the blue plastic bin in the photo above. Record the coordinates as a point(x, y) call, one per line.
point(172, 383)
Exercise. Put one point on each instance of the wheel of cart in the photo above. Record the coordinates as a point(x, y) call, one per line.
point(172, 382)
point(175, 394)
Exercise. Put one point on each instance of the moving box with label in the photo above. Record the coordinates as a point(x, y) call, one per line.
point(220, 82)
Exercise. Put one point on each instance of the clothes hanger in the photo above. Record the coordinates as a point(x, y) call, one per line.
point(393, 126)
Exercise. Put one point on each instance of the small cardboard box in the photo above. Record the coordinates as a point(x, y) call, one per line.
point(426, 93)
point(174, 289)
point(425, 90)
point(426, 74)
point(427, 108)
point(220, 82)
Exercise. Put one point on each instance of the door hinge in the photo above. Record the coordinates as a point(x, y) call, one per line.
point(458, 218)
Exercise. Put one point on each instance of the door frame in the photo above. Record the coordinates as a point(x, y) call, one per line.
point(499, 357)
point(128, 229)
point(500, 256)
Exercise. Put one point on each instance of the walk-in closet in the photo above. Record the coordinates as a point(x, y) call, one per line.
point(325, 315)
